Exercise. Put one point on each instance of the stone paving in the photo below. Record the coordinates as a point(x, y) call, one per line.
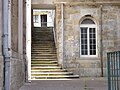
point(76, 84)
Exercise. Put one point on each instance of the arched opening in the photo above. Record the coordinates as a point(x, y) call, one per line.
point(88, 38)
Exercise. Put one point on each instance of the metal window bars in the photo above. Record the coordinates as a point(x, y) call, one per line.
point(113, 70)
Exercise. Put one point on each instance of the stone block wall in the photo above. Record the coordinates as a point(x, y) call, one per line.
point(17, 61)
point(72, 60)
point(74, 11)
point(14, 25)
point(110, 36)
point(59, 33)
point(110, 30)
point(17, 73)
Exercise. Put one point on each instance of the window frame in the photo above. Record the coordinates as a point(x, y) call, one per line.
point(36, 18)
point(88, 41)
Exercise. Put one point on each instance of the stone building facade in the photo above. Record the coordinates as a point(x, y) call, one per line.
point(15, 42)
point(106, 17)
point(70, 15)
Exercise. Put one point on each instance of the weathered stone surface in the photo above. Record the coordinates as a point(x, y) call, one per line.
point(73, 14)
point(17, 73)
point(72, 19)
point(51, 1)
point(17, 62)
point(14, 25)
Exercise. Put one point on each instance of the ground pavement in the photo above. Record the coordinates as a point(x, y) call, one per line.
point(75, 84)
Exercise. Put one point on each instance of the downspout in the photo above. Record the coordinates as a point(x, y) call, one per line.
point(6, 44)
point(101, 49)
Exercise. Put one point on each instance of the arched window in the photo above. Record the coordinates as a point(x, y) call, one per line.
point(88, 44)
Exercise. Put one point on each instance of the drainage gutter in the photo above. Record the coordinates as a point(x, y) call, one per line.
point(6, 48)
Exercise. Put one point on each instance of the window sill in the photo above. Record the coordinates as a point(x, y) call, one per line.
point(88, 58)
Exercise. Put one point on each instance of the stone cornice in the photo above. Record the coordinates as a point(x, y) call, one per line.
point(89, 3)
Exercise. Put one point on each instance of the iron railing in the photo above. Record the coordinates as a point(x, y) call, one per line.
point(113, 70)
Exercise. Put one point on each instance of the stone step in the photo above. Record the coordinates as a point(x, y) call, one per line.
point(39, 48)
point(41, 35)
point(45, 67)
point(39, 39)
point(50, 31)
point(39, 55)
point(41, 31)
point(48, 70)
point(43, 53)
point(43, 50)
point(34, 56)
point(45, 62)
point(44, 59)
point(45, 42)
point(42, 41)
point(49, 41)
point(46, 47)
point(43, 45)
point(43, 38)
point(55, 77)
point(51, 73)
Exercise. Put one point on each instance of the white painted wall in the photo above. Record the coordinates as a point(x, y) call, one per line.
point(50, 17)
point(28, 37)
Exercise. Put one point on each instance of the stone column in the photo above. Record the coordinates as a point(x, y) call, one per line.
point(59, 31)
point(20, 29)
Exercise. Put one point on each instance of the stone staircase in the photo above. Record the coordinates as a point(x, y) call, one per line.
point(44, 58)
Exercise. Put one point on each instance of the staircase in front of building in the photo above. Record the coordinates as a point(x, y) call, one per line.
point(44, 64)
